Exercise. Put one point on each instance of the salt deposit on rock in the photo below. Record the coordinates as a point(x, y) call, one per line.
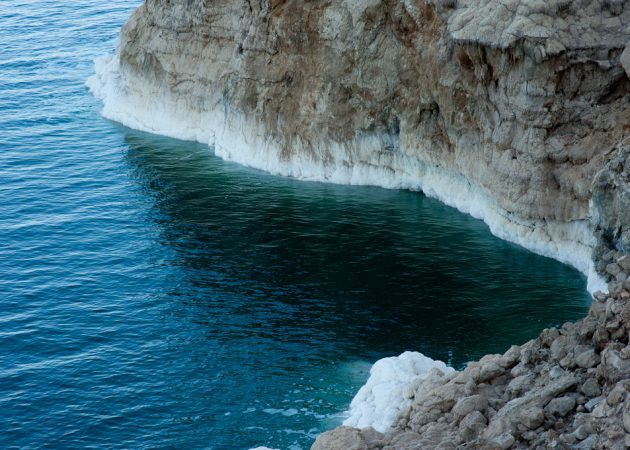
point(505, 109)
point(389, 389)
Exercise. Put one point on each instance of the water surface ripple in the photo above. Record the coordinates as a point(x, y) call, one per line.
point(153, 295)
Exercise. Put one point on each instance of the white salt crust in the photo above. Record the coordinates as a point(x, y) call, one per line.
point(138, 104)
point(390, 389)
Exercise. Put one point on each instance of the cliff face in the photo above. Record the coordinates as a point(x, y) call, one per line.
point(611, 205)
point(505, 109)
point(515, 111)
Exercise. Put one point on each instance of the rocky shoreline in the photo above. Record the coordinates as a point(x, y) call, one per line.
point(505, 109)
point(568, 389)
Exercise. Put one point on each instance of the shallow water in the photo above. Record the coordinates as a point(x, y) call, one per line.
point(153, 295)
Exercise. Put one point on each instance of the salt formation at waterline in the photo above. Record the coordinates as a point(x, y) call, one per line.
point(388, 390)
point(516, 112)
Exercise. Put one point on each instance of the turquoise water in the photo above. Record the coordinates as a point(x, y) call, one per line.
point(153, 295)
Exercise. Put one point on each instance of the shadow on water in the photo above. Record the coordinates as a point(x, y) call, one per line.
point(362, 271)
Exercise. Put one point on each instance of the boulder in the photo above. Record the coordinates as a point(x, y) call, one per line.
point(532, 417)
point(560, 407)
point(590, 388)
point(472, 425)
point(466, 405)
point(587, 359)
point(346, 438)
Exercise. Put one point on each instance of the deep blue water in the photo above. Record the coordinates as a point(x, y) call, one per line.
point(153, 295)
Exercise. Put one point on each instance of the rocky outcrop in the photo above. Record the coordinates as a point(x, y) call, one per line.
point(611, 216)
point(569, 388)
point(505, 109)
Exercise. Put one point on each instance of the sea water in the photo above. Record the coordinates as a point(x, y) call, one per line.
point(154, 295)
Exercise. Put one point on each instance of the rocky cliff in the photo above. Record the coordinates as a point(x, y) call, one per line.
point(569, 388)
point(515, 111)
point(505, 109)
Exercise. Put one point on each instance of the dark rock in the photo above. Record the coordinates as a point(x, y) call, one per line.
point(560, 407)
point(590, 388)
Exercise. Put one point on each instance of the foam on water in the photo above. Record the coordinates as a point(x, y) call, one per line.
point(360, 162)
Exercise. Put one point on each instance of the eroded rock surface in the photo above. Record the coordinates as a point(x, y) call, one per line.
point(569, 388)
point(507, 109)
point(504, 108)
point(521, 97)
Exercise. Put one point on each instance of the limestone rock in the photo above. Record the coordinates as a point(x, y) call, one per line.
point(532, 417)
point(590, 388)
point(467, 405)
point(517, 104)
point(346, 438)
point(587, 359)
point(472, 425)
point(560, 407)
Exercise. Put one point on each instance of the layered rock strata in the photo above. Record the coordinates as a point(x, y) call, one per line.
point(505, 109)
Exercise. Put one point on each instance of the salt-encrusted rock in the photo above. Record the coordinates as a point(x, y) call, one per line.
point(587, 444)
point(613, 367)
point(502, 442)
point(489, 367)
point(568, 361)
point(519, 370)
point(520, 384)
point(624, 263)
point(613, 269)
point(405, 440)
point(587, 358)
point(472, 425)
point(539, 402)
point(618, 393)
point(583, 431)
point(548, 335)
point(511, 357)
point(560, 347)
